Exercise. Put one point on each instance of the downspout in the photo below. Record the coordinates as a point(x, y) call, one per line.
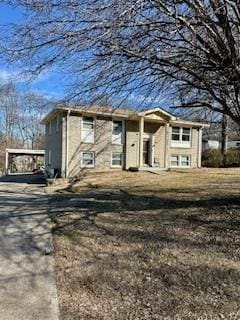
point(67, 147)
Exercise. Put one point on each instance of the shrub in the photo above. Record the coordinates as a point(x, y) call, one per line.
point(233, 158)
point(213, 158)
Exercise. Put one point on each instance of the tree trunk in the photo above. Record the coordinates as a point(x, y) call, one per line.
point(224, 139)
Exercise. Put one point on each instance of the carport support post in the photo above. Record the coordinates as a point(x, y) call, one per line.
point(6, 163)
point(141, 131)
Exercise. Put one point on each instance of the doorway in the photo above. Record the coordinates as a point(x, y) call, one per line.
point(146, 145)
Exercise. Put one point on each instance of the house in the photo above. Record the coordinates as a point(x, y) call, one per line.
point(211, 144)
point(98, 137)
point(216, 144)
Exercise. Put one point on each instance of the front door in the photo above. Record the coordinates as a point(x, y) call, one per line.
point(146, 152)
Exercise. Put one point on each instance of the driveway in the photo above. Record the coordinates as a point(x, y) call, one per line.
point(27, 284)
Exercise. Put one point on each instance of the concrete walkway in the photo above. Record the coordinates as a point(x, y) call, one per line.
point(27, 284)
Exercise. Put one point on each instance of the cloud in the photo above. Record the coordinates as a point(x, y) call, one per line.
point(7, 76)
point(21, 76)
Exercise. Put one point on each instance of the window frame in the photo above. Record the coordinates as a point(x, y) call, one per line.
point(180, 165)
point(114, 141)
point(181, 143)
point(121, 157)
point(88, 165)
point(90, 131)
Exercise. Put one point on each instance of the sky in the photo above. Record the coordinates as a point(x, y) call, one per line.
point(51, 83)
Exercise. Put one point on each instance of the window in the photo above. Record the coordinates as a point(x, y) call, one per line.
point(87, 160)
point(88, 130)
point(174, 161)
point(186, 134)
point(175, 134)
point(181, 137)
point(117, 132)
point(180, 161)
point(185, 161)
point(117, 159)
point(49, 157)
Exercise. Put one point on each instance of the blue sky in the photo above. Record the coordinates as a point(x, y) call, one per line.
point(50, 83)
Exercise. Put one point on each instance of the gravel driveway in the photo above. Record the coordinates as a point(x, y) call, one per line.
point(27, 284)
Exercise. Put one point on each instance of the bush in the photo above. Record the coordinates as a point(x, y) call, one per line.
point(213, 158)
point(233, 158)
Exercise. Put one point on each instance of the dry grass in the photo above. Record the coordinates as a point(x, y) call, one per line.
point(147, 246)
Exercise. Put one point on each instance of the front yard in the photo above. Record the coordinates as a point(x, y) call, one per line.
point(149, 246)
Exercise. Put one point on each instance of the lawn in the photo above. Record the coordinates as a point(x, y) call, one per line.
point(149, 246)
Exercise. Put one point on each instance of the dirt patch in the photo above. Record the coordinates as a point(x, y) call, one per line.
point(146, 246)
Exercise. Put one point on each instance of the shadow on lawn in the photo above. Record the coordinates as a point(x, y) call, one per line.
point(123, 244)
point(90, 205)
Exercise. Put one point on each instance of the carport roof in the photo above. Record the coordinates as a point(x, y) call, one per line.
point(26, 151)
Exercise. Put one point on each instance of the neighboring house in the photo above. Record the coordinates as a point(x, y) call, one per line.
point(233, 144)
point(97, 137)
point(216, 144)
point(211, 144)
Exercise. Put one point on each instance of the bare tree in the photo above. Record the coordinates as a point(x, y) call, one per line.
point(190, 48)
point(31, 108)
point(8, 108)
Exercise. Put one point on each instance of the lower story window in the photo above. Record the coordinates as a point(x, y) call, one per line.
point(180, 161)
point(87, 160)
point(174, 161)
point(185, 161)
point(117, 159)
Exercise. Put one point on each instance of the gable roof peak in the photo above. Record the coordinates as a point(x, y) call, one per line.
point(158, 110)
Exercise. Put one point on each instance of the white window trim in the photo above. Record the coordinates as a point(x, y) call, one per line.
point(94, 129)
point(123, 132)
point(116, 166)
point(180, 160)
point(181, 143)
point(89, 165)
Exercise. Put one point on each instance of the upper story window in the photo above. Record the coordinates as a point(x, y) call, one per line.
point(181, 137)
point(117, 132)
point(88, 129)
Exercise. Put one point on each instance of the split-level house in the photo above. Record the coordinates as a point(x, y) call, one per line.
point(103, 138)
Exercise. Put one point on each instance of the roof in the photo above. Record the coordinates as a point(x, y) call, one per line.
point(161, 115)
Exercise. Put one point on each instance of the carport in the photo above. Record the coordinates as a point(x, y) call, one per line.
point(34, 156)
